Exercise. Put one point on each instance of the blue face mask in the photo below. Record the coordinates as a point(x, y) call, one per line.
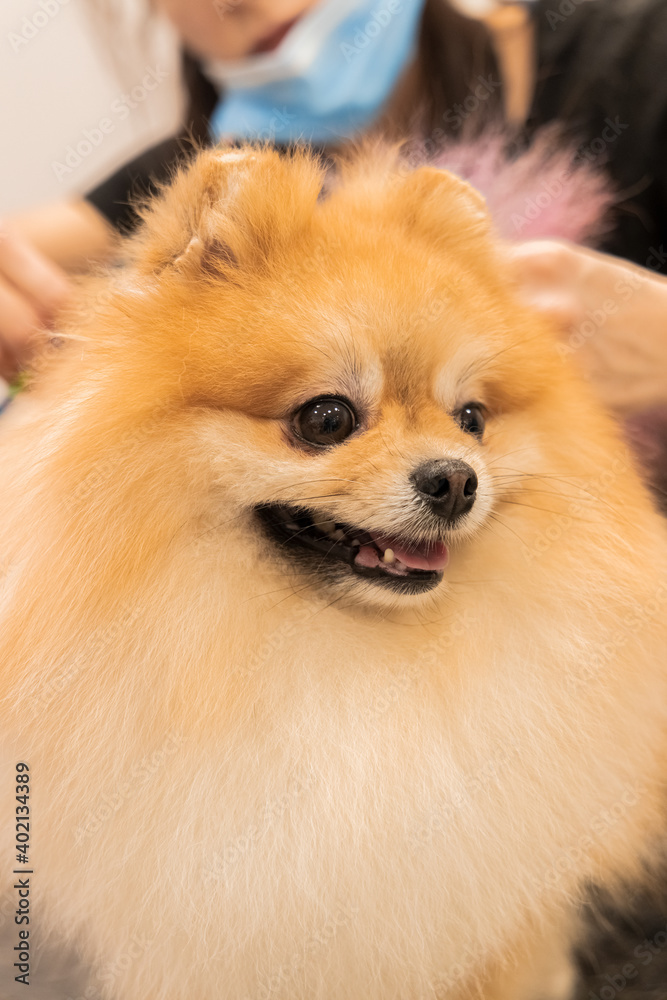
point(329, 78)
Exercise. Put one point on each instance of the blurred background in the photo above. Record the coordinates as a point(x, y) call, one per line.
point(66, 65)
point(59, 77)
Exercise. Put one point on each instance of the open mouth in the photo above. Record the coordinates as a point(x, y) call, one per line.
point(405, 565)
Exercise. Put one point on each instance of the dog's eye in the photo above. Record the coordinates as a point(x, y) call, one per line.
point(471, 419)
point(325, 421)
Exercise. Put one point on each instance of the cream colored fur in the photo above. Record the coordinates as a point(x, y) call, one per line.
point(250, 782)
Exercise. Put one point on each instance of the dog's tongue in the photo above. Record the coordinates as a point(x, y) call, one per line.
point(429, 556)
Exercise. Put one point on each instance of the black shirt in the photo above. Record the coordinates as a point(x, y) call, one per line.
point(602, 72)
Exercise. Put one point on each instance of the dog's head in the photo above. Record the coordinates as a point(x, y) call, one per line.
point(360, 366)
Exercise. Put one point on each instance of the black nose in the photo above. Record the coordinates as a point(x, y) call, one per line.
point(448, 485)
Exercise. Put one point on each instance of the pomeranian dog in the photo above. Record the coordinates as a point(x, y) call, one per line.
point(332, 620)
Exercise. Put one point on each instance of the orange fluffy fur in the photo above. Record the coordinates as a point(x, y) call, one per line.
point(249, 780)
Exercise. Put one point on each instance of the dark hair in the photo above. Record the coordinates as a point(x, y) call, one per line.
point(455, 55)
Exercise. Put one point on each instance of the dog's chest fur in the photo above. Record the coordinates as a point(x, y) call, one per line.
point(351, 808)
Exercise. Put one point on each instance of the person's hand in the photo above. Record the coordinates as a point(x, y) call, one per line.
point(613, 316)
point(32, 290)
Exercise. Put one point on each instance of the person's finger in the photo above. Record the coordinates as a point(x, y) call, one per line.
point(560, 306)
point(8, 364)
point(21, 326)
point(35, 277)
point(563, 310)
point(543, 260)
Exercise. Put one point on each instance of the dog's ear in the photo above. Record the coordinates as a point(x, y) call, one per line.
point(443, 206)
point(228, 210)
point(178, 232)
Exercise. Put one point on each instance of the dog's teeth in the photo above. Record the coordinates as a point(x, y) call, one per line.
point(355, 543)
point(337, 536)
point(326, 526)
point(389, 556)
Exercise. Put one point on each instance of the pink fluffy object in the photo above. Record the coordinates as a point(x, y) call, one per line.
point(545, 192)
